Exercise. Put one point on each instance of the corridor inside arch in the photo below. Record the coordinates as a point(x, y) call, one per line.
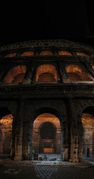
point(46, 142)
point(88, 133)
point(6, 121)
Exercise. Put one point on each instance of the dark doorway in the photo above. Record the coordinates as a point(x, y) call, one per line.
point(47, 138)
point(46, 134)
point(88, 152)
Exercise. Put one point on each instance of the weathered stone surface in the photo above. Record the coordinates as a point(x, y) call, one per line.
point(67, 93)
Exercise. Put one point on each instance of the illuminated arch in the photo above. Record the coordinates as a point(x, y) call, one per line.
point(27, 53)
point(46, 53)
point(87, 120)
point(77, 73)
point(64, 53)
point(46, 134)
point(46, 72)
point(10, 55)
point(15, 74)
point(6, 121)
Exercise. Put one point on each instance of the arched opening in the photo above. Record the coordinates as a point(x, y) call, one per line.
point(15, 74)
point(47, 130)
point(46, 77)
point(6, 120)
point(46, 73)
point(45, 53)
point(81, 54)
point(10, 55)
point(88, 132)
point(47, 135)
point(77, 73)
point(64, 53)
point(27, 54)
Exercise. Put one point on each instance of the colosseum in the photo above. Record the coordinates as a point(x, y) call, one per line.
point(47, 100)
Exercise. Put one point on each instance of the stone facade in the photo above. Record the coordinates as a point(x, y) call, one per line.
point(53, 77)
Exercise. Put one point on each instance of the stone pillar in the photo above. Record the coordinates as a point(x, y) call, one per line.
point(65, 141)
point(18, 131)
point(74, 148)
point(27, 133)
point(30, 141)
point(62, 140)
point(35, 140)
point(64, 75)
point(81, 141)
point(13, 139)
point(29, 75)
point(25, 138)
point(73, 132)
point(58, 140)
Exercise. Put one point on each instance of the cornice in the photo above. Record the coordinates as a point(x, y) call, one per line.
point(44, 43)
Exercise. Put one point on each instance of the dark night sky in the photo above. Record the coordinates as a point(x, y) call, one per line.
point(45, 20)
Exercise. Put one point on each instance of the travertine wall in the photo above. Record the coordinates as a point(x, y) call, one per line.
point(88, 134)
point(66, 116)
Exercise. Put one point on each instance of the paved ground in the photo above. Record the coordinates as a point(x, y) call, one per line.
point(46, 172)
point(59, 172)
point(39, 170)
point(89, 159)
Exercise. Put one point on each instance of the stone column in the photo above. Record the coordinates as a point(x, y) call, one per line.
point(30, 141)
point(26, 129)
point(80, 139)
point(65, 141)
point(18, 131)
point(58, 140)
point(73, 132)
point(62, 140)
point(27, 133)
point(74, 148)
point(29, 76)
point(35, 140)
point(64, 75)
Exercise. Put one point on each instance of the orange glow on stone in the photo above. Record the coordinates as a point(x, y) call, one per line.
point(15, 73)
point(81, 54)
point(11, 55)
point(19, 78)
point(46, 69)
point(88, 124)
point(76, 73)
point(64, 53)
point(46, 77)
point(7, 121)
point(73, 68)
point(47, 117)
point(46, 53)
point(28, 53)
point(87, 119)
point(6, 130)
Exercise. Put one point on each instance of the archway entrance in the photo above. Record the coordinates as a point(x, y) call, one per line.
point(47, 138)
point(6, 120)
point(88, 132)
point(46, 134)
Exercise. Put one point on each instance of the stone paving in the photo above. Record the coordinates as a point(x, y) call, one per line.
point(29, 163)
point(59, 172)
point(48, 169)
point(45, 170)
